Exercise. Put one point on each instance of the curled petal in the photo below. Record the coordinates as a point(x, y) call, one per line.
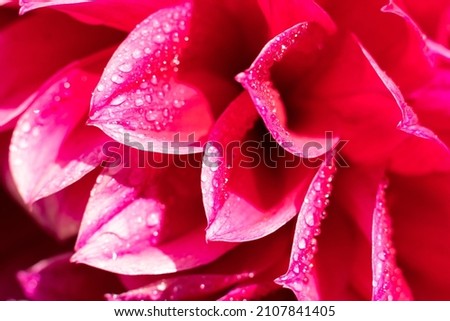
point(51, 49)
point(300, 277)
point(120, 14)
point(388, 281)
point(57, 116)
point(409, 123)
point(243, 171)
point(132, 224)
point(256, 80)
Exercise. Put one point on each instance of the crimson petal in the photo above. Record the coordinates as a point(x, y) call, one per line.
point(242, 173)
point(388, 281)
point(51, 48)
point(45, 152)
point(300, 276)
point(138, 97)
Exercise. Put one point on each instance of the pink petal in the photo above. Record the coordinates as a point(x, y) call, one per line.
point(51, 49)
point(57, 116)
point(246, 263)
point(258, 179)
point(388, 281)
point(138, 94)
point(132, 224)
point(60, 213)
point(57, 279)
point(188, 287)
point(420, 209)
point(120, 14)
point(266, 98)
point(300, 276)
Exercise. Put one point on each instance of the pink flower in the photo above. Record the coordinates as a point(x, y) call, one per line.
point(182, 150)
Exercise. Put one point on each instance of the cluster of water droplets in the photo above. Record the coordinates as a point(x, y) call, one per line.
point(258, 82)
point(388, 282)
point(312, 212)
point(138, 89)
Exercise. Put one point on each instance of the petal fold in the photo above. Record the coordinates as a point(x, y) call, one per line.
point(244, 171)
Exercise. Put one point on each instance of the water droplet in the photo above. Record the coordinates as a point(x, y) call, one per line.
point(150, 115)
point(148, 98)
point(114, 256)
point(152, 219)
point(309, 219)
point(26, 127)
point(136, 54)
point(156, 24)
point(159, 38)
point(382, 256)
point(161, 286)
point(100, 87)
point(154, 80)
point(125, 67)
point(202, 286)
point(118, 100)
point(166, 112)
point(166, 27)
point(178, 103)
point(66, 85)
point(139, 102)
point(302, 244)
point(117, 79)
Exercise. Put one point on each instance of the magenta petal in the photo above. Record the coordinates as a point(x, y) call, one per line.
point(60, 213)
point(266, 98)
point(120, 14)
point(300, 277)
point(409, 123)
point(45, 151)
point(50, 49)
point(186, 287)
point(388, 281)
point(132, 224)
point(138, 97)
point(291, 12)
point(232, 185)
point(57, 279)
point(247, 292)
